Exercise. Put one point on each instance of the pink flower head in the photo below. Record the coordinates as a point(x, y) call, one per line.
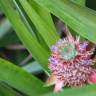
point(70, 64)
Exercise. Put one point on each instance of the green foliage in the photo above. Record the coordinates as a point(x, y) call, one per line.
point(33, 24)
point(84, 91)
point(43, 28)
point(6, 90)
point(25, 36)
point(19, 79)
point(77, 17)
point(80, 2)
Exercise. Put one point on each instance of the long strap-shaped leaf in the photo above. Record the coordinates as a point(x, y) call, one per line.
point(23, 17)
point(21, 80)
point(25, 36)
point(29, 24)
point(6, 90)
point(79, 18)
point(45, 15)
point(80, 2)
point(46, 32)
point(83, 91)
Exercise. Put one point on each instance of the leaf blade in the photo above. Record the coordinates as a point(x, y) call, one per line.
point(25, 83)
point(45, 31)
point(83, 91)
point(6, 91)
point(82, 20)
point(25, 36)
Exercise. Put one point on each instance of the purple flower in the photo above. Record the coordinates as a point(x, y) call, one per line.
point(54, 49)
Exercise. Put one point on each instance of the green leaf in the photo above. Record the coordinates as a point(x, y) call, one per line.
point(21, 80)
point(80, 2)
point(83, 91)
point(26, 20)
point(23, 17)
point(44, 14)
point(6, 90)
point(82, 20)
point(46, 32)
point(25, 36)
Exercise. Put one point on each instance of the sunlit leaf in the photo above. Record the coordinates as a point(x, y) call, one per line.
point(46, 32)
point(25, 36)
point(20, 79)
point(81, 19)
point(84, 91)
